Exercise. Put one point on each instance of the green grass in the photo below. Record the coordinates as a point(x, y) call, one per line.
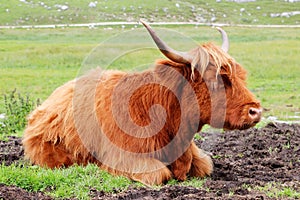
point(35, 62)
point(277, 190)
point(193, 182)
point(75, 181)
point(38, 61)
point(14, 12)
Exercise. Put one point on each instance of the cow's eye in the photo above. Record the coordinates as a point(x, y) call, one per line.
point(224, 80)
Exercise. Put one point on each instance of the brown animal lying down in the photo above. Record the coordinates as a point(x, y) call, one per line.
point(141, 125)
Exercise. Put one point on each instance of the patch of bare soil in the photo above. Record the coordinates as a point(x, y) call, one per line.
point(11, 150)
point(252, 157)
point(13, 192)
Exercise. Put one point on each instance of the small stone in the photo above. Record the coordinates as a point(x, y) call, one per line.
point(64, 7)
point(213, 19)
point(92, 5)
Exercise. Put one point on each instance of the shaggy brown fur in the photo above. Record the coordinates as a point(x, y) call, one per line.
point(141, 125)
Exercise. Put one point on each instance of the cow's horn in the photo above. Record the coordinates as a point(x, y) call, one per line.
point(225, 45)
point(176, 56)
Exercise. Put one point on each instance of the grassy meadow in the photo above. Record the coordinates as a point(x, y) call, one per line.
point(36, 61)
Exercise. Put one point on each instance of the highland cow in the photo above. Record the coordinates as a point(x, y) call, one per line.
point(141, 125)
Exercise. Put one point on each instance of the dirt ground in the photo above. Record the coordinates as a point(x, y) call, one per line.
point(252, 157)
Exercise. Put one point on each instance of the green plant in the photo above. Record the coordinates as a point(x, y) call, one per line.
point(17, 107)
point(199, 137)
point(231, 193)
point(216, 156)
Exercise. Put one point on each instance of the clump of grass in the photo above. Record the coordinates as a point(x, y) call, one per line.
point(276, 190)
point(17, 107)
point(75, 181)
point(193, 182)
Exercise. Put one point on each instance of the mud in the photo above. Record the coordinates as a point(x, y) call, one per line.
point(11, 151)
point(242, 159)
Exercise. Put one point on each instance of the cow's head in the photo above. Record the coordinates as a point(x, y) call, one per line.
point(219, 83)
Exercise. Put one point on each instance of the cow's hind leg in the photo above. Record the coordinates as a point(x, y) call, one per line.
point(45, 153)
point(201, 164)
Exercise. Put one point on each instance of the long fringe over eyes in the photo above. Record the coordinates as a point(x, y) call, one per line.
point(204, 53)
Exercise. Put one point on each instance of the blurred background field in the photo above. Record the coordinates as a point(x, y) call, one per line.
point(24, 12)
point(36, 61)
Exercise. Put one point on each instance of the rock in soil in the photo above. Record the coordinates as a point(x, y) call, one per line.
point(253, 157)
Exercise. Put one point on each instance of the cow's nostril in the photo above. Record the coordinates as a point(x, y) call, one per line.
point(252, 111)
point(255, 113)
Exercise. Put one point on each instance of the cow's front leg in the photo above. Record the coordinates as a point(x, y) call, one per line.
point(202, 164)
point(182, 165)
point(150, 172)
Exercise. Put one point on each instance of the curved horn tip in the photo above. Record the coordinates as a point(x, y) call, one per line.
point(146, 25)
point(219, 29)
point(225, 45)
point(144, 22)
point(176, 56)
